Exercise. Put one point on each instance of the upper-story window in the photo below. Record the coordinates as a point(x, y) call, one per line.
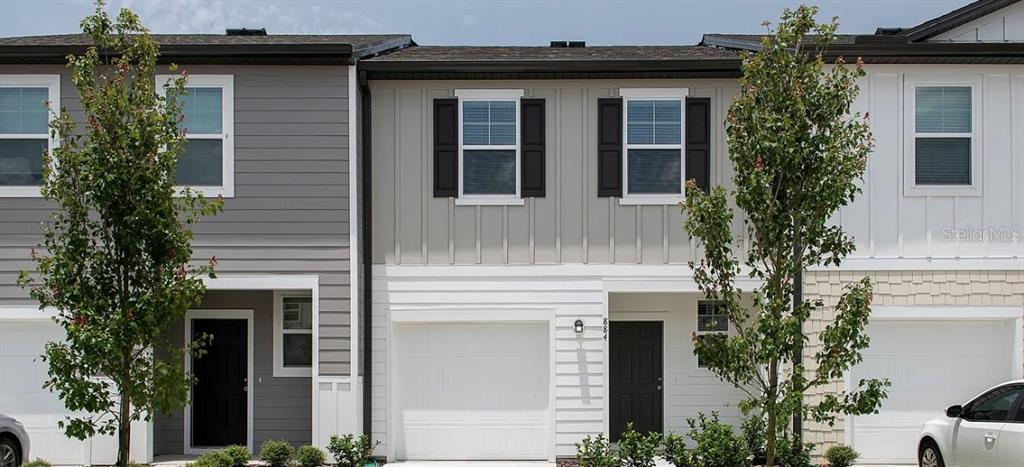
point(207, 162)
point(489, 153)
point(653, 170)
point(942, 148)
point(24, 131)
point(293, 334)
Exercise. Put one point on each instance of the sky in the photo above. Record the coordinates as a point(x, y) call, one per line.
point(474, 22)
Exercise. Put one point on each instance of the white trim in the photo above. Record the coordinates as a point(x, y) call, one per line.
point(653, 94)
point(889, 263)
point(476, 315)
point(945, 312)
point(506, 95)
point(227, 85)
point(261, 282)
point(52, 84)
point(489, 94)
point(247, 315)
point(26, 312)
point(911, 83)
point(281, 371)
point(354, 216)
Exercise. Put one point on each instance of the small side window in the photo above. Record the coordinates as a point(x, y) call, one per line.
point(993, 406)
point(293, 334)
point(711, 319)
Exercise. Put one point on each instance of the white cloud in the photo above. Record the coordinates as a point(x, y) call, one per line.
point(279, 17)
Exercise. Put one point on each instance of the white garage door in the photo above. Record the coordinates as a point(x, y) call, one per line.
point(471, 391)
point(932, 365)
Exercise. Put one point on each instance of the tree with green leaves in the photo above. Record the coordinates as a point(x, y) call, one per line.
point(798, 154)
point(115, 261)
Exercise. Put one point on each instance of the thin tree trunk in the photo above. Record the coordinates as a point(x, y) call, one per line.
point(773, 378)
point(124, 432)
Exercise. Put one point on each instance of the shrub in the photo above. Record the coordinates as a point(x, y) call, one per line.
point(37, 462)
point(239, 455)
point(213, 459)
point(310, 456)
point(637, 450)
point(789, 453)
point(716, 444)
point(676, 452)
point(277, 453)
point(841, 455)
point(349, 451)
point(595, 452)
point(753, 429)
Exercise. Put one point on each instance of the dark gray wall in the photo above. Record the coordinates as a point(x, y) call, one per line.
point(289, 214)
point(282, 407)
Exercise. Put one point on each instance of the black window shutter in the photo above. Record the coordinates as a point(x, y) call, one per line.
point(698, 141)
point(446, 148)
point(532, 148)
point(609, 147)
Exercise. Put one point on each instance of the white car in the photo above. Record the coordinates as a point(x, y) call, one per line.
point(988, 431)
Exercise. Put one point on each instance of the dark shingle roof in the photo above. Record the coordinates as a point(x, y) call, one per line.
point(754, 40)
point(217, 48)
point(555, 54)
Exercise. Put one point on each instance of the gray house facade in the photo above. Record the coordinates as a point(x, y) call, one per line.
point(274, 133)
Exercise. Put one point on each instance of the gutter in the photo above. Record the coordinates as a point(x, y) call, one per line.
point(202, 53)
point(366, 237)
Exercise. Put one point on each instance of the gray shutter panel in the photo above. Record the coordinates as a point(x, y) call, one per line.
point(698, 141)
point(532, 157)
point(609, 147)
point(446, 148)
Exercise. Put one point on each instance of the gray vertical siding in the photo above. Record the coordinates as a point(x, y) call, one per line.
point(282, 407)
point(289, 214)
point(570, 225)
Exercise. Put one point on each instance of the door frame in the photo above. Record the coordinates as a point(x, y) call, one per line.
point(1012, 313)
point(638, 317)
point(237, 314)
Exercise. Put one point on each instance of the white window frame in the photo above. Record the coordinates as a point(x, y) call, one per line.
point(911, 83)
point(227, 85)
point(653, 94)
point(281, 371)
point(702, 332)
point(514, 95)
point(52, 84)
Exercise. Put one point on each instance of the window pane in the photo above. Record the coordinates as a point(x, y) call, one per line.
point(200, 164)
point(640, 122)
point(943, 109)
point(488, 123)
point(23, 110)
point(298, 312)
point(711, 317)
point(994, 406)
point(21, 161)
point(655, 171)
point(943, 161)
point(202, 110)
point(298, 350)
point(667, 122)
point(489, 172)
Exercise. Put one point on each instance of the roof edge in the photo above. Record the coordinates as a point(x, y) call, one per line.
point(953, 19)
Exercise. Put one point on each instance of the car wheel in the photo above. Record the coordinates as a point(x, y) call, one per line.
point(9, 455)
point(929, 455)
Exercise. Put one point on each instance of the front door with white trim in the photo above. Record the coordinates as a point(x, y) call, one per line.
point(219, 396)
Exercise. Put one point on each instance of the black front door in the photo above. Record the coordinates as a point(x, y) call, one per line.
point(636, 376)
point(219, 399)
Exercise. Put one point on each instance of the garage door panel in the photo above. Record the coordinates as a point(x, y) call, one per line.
point(932, 364)
point(472, 391)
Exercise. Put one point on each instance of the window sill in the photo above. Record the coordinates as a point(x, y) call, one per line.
point(653, 200)
point(208, 191)
point(488, 201)
point(943, 191)
point(293, 372)
point(21, 192)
